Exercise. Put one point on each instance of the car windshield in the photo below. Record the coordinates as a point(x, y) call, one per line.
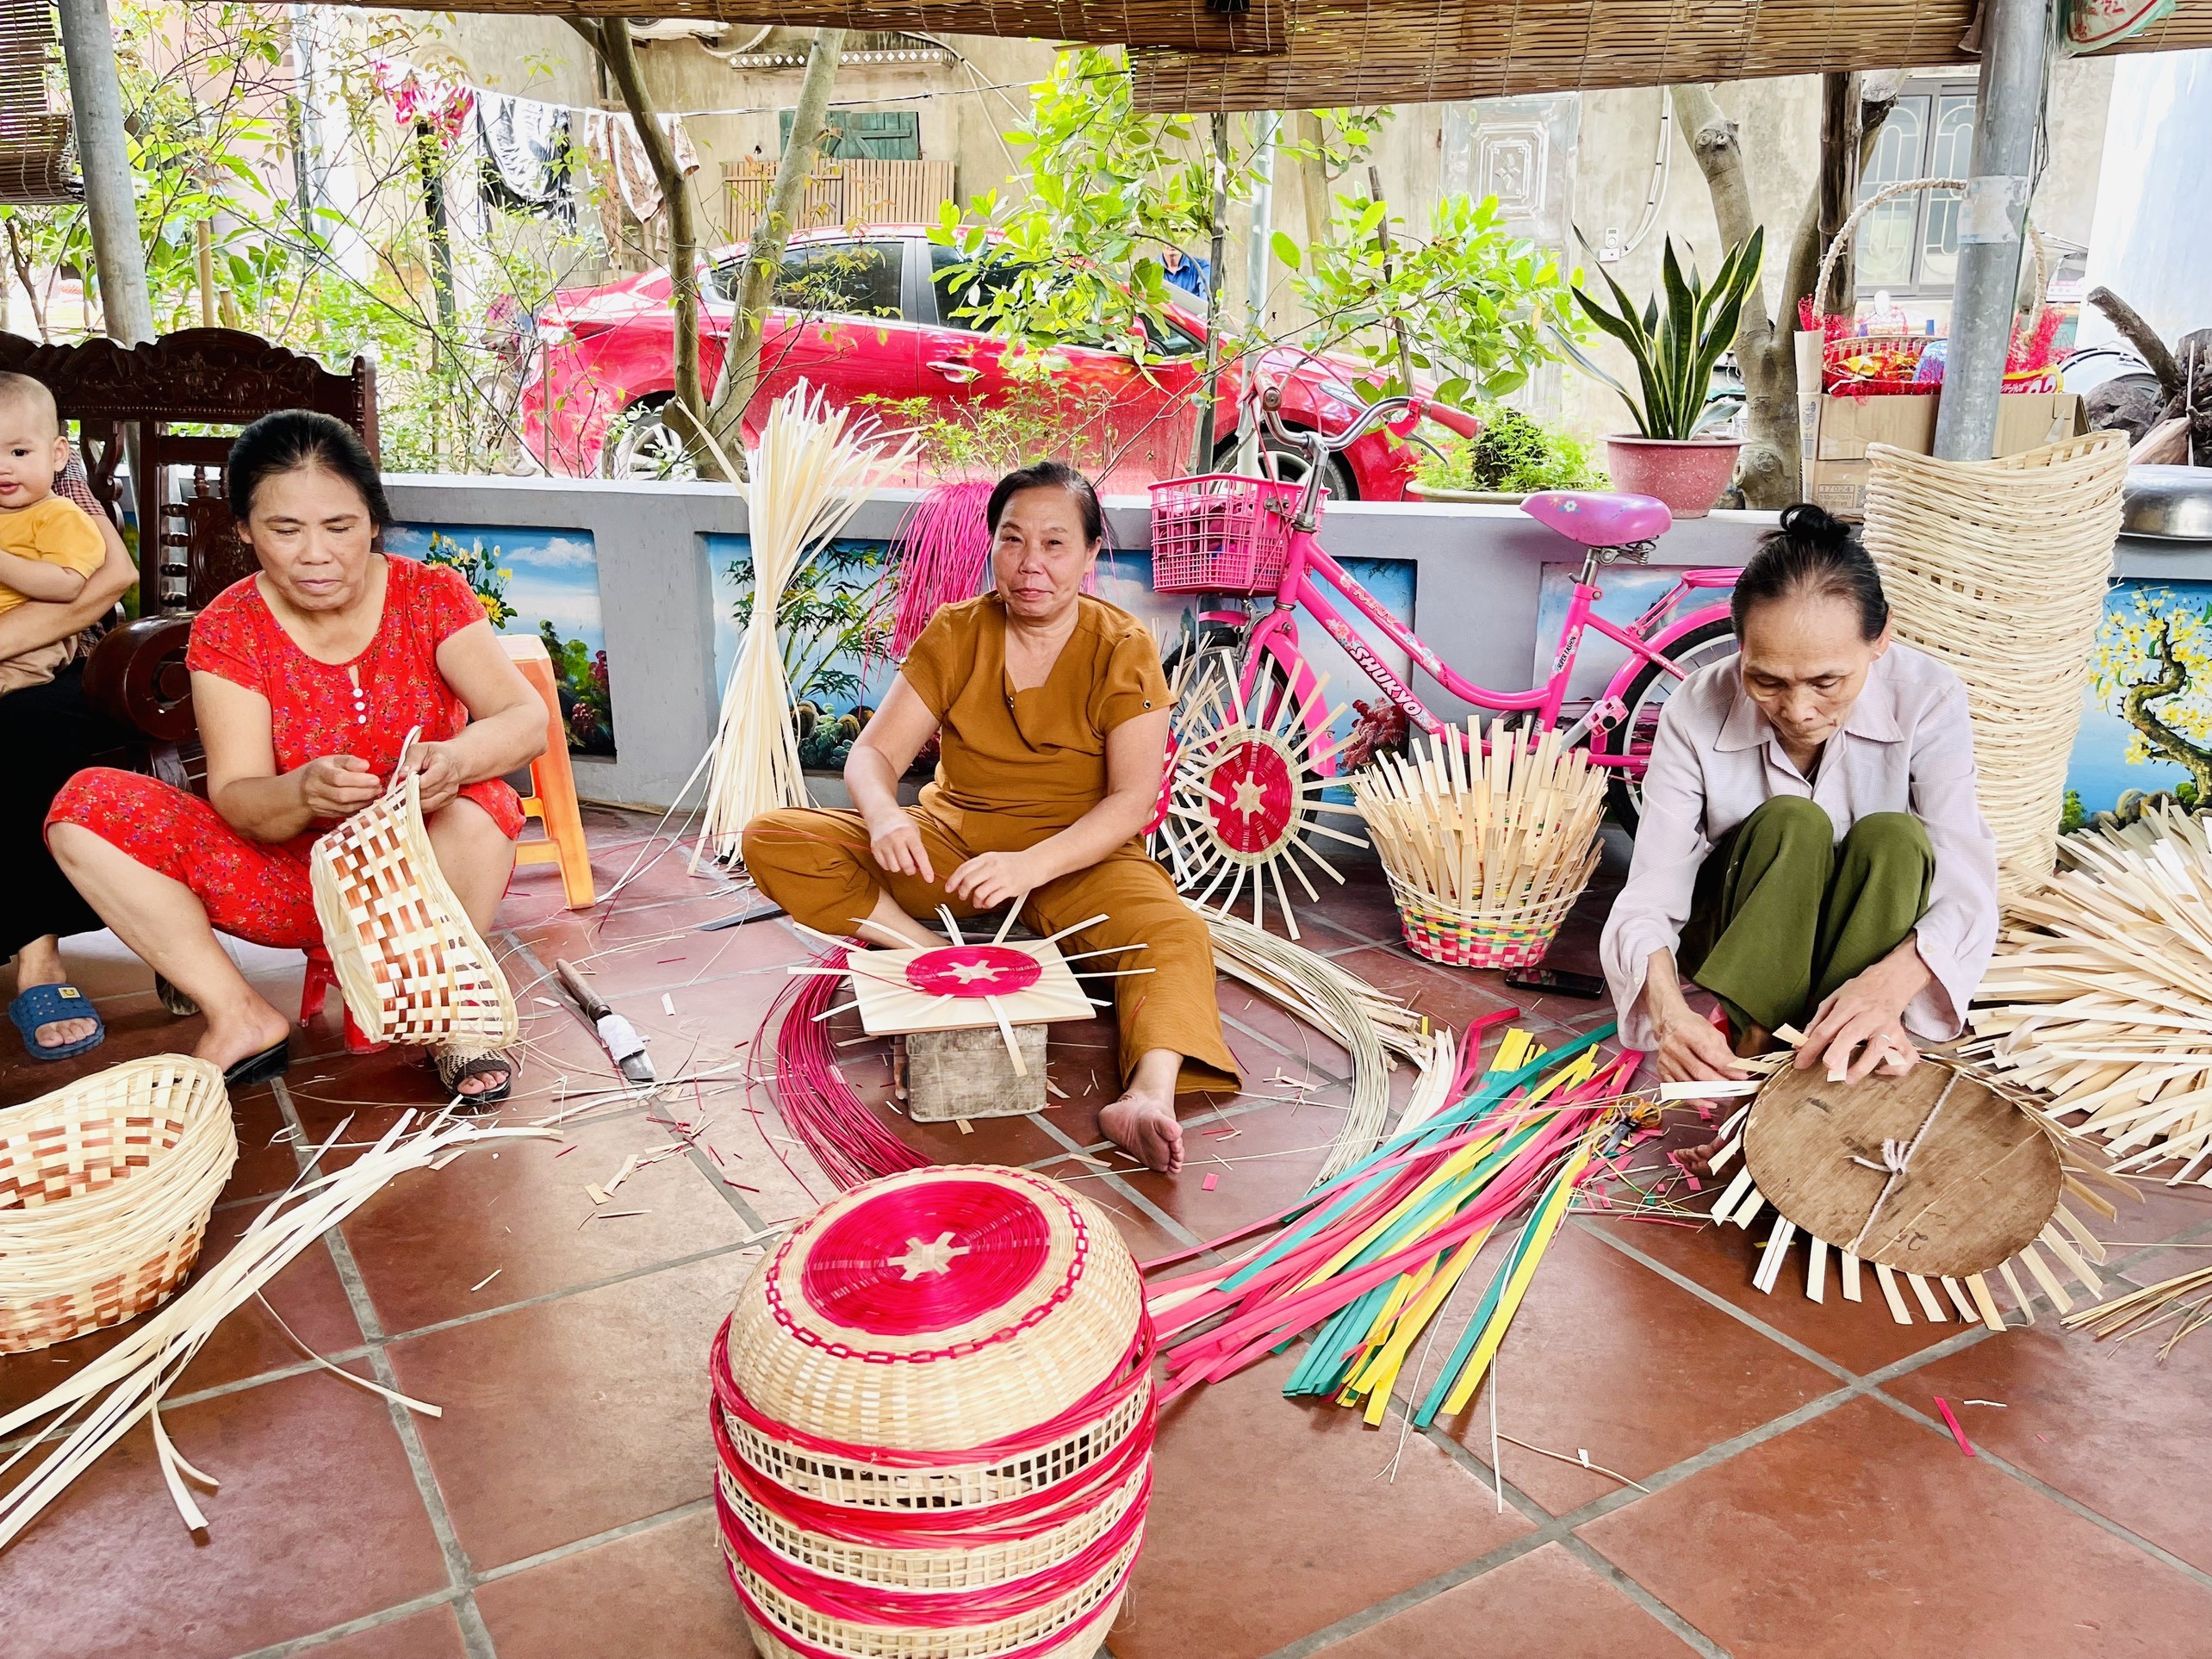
point(844, 279)
point(961, 291)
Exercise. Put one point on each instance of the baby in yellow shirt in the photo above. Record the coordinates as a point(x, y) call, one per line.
point(47, 544)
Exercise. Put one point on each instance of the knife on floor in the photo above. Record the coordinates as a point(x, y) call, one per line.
point(623, 1046)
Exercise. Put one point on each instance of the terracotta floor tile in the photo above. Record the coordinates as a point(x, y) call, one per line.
point(1270, 1162)
point(432, 1634)
point(570, 1417)
point(317, 1522)
point(1447, 995)
point(1606, 1356)
point(2165, 1213)
point(1860, 1336)
point(660, 1593)
point(265, 1165)
point(1545, 1602)
point(1862, 1527)
point(1282, 1040)
point(2107, 1423)
point(519, 1210)
point(1268, 1523)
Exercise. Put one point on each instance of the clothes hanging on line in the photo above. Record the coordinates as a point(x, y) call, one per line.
point(618, 155)
point(527, 155)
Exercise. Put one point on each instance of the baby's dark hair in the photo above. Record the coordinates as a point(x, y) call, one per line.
point(291, 440)
point(1817, 556)
point(1049, 474)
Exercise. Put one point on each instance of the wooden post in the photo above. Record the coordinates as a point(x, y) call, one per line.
point(1839, 179)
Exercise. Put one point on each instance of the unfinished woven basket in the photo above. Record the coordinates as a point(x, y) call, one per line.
point(1998, 569)
point(409, 963)
point(105, 1186)
point(934, 1420)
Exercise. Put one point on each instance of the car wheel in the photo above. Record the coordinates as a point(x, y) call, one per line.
point(640, 443)
point(1291, 466)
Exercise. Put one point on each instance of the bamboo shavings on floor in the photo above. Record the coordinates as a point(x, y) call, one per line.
point(2101, 995)
point(113, 1392)
point(813, 468)
point(1367, 1261)
point(2147, 1308)
point(1369, 1024)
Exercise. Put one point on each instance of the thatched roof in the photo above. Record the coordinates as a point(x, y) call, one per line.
point(1285, 54)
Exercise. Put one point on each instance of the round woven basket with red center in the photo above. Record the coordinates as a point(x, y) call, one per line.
point(933, 1420)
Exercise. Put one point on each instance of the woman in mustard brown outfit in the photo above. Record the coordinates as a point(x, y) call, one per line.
point(1053, 712)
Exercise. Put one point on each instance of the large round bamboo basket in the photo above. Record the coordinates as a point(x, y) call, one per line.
point(409, 963)
point(933, 1422)
point(1999, 568)
point(105, 1186)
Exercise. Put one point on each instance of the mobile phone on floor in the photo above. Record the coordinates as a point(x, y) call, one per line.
point(1558, 981)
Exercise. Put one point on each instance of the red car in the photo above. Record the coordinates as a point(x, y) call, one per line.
point(872, 316)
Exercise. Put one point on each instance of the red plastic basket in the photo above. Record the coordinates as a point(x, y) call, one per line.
point(1220, 533)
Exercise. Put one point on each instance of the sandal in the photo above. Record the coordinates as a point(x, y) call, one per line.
point(49, 1005)
point(270, 1062)
point(457, 1067)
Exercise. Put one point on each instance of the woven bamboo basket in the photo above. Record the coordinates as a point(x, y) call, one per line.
point(1489, 936)
point(933, 1420)
point(1998, 569)
point(409, 963)
point(105, 1186)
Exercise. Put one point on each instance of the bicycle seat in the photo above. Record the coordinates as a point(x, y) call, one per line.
point(1600, 519)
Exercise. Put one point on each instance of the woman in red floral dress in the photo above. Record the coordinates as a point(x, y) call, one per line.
point(307, 680)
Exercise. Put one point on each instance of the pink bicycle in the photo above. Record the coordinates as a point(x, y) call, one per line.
point(1252, 752)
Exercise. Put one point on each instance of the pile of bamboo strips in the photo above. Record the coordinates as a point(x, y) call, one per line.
point(1370, 1024)
point(2101, 995)
point(1497, 841)
point(126, 1383)
point(2151, 1307)
point(813, 468)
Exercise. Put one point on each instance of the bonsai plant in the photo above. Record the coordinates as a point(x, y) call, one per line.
point(1675, 352)
point(1509, 459)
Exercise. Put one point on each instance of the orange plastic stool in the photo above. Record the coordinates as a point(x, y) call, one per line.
point(552, 799)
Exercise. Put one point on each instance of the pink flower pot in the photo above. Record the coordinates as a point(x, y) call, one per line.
point(1687, 474)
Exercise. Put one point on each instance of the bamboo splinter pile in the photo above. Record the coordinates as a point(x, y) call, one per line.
point(813, 468)
point(2100, 994)
point(1487, 852)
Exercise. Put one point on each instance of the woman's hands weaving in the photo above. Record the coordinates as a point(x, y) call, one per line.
point(1860, 1027)
point(990, 880)
point(338, 785)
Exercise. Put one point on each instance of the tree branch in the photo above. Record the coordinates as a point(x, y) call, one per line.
point(2140, 335)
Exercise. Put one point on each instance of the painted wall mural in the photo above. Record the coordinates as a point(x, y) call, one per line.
point(2147, 712)
point(534, 581)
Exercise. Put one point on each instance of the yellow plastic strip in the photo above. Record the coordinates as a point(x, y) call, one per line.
point(1382, 1375)
point(1546, 1224)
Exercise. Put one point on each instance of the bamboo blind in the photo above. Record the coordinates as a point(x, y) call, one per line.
point(856, 192)
point(1365, 52)
point(37, 160)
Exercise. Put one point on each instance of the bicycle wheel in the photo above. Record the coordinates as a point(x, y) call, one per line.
point(1714, 642)
point(1245, 804)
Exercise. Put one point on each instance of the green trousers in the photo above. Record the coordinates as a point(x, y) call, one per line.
point(1783, 913)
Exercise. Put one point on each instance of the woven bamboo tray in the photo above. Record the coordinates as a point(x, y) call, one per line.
point(1998, 569)
point(105, 1186)
point(409, 963)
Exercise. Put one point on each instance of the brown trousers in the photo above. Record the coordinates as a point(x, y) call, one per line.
point(815, 863)
point(37, 667)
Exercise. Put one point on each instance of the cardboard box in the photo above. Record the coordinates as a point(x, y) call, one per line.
point(1833, 432)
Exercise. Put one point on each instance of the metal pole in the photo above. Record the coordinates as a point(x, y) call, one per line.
point(1257, 259)
point(96, 98)
point(2008, 115)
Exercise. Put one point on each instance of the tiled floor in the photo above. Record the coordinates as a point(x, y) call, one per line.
point(1793, 1492)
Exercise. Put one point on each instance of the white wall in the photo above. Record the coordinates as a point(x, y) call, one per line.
point(2149, 245)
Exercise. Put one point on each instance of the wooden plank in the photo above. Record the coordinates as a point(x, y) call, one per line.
point(888, 1006)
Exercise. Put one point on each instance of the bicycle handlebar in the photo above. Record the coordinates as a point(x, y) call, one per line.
point(1316, 446)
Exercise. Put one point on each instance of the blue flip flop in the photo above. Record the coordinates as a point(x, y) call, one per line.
point(48, 1005)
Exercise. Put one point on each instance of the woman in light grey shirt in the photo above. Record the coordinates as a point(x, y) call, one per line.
point(1811, 850)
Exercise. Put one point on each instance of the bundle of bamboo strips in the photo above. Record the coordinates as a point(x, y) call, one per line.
point(2100, 998)
point(127, 1383)
point(2151, 1306)
point(1486, 850)
point(813, 468)
point(1368, 1260)
point(1370, 1024)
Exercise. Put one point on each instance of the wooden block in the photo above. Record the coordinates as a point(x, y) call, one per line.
point(969, 1074)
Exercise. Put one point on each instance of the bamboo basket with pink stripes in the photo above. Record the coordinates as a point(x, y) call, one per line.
point(105, 1187)
point(933, 1421)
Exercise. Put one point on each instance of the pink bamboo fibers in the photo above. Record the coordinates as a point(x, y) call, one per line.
point(944, 550)
point(830, 1121)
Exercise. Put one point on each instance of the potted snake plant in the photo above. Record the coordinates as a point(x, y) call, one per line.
point(1671, 455)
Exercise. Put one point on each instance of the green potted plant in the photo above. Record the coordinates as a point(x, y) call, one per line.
point(1668, 454)
point(1508, 460)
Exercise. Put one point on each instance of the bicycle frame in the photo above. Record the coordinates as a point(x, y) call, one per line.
point(1645, 639)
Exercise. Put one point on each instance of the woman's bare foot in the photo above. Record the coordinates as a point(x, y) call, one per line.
point(241, 1030)
point(1145, 1128)
point(39, 963)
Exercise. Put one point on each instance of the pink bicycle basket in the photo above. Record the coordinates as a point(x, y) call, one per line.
point(1220, 533)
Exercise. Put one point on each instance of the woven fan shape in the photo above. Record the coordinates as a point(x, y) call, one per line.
point(409, 963)
point(105, 1186)
point(1998, 569)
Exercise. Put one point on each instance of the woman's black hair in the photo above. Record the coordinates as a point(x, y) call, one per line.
point(292, 439)
point(1817, 556)
point(1050, 474)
